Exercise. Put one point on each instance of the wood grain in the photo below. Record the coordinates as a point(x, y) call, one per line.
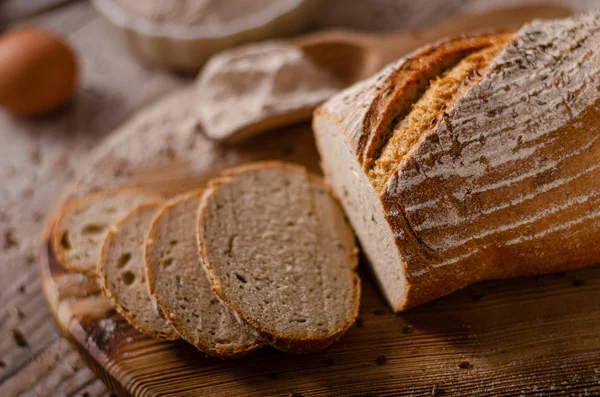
point(528, 336)
point(64, 373)
point(44, 153)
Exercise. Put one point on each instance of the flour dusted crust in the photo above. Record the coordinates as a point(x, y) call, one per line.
point(505, 183)
point(367, 109)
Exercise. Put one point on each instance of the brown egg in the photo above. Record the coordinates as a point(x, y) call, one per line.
point(38, 72)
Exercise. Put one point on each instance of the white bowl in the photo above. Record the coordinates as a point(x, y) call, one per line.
point(188, 47)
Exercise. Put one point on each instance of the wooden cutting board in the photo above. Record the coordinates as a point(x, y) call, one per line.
point(526, 336)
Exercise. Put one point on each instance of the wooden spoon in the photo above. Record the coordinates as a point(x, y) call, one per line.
point(354, 56)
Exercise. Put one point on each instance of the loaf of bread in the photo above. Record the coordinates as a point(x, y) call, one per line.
point(473, 158)
point(280, 253)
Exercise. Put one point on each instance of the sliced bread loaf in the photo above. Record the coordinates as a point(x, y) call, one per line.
point(180, 285)
point(83, 224)
point(280, 253)
point(490, 171)
point(122, 273)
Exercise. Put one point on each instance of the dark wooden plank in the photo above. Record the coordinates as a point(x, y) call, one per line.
point(57, 370)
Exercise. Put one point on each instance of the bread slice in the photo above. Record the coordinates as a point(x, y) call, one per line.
point(122, 272)
point(180, 285)
point(279, 252)
point(491, 174)
point(83, 224)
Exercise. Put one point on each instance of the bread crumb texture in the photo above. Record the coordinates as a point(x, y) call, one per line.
point(279, 251)
point(179, 282)
point(83, 225)
point(122, 272)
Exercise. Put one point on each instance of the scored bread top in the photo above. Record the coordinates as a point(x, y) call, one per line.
point(122, 272)
point(505, 181)
point(281, 254)
point(180, 285)
point(428, 110)
point(83, 224)
point(388, 97)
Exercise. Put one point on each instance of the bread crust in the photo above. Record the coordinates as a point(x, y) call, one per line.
point(183, 331)
point(102, 280)
point(287, 343)
point(394, 83)
point(506, 184)
point(71, 205)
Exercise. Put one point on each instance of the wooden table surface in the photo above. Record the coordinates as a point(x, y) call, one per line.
point(38, 161)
